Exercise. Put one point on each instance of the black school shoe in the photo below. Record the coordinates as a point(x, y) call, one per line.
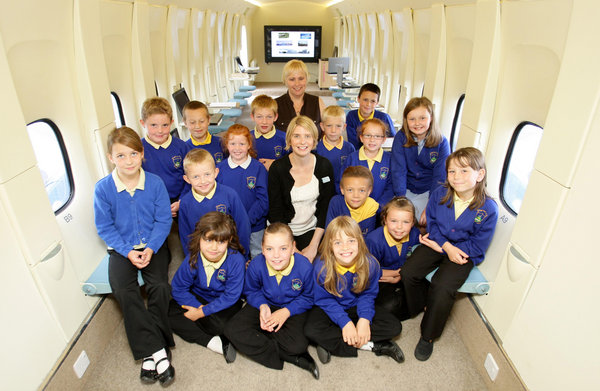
point(166, 377)
point(423, 350)
point(229, 351)
point(323, 354)
point(148, 375)
point(305, 361)
point(390, 349)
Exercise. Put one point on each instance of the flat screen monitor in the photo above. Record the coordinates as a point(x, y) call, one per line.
point(335, 63)
point(284, 43)
point(181, 99)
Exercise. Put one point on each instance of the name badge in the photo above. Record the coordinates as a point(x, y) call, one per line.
point(325, 179)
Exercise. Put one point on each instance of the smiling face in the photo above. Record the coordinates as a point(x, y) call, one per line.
point(238, 148)
point(345, 249)
point(399, 222)
point(367, 101)
point(201, 176)
point(419, 121)
point(212, 249)
point(264, 118)
point(278, 248)
point(197, 122)
point(296, 83)
point(158, 127)
point(127, 161)
point(355, 191)
point(464, 179)
point(372, 137)
point(301, 141)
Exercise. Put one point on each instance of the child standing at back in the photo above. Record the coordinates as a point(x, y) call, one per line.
point(279, 292)
point(345, 317)
point(371, 155)
point(419, 153)
point(196, 118)
point(332, 146)
point(132, 215)
point(208, 284)
point(391, 245)
point(461, 219)
point(356, 186)
point(270, 142)
point(164, 153)
point(368, 99)
point(207, 196)
point(244, 174)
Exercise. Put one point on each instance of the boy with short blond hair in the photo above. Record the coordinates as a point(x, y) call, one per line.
point(333, 146)
point(269, 142)
point(368, 99)
point(163, 153)
point(207, 196)
point(196, 118)
point(356, 186)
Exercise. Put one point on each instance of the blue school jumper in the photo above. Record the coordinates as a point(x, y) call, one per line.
point(167, 163)
point(338, 207)
point(353, 123)
point(124, 221)
point(387, 256)
point(472, 232)
point(294, 292)
point(337, 157)
point(335, 307)
point(225, 287)
point(224, 200)
point(214, 147)
point(249, 181)
point(418, 172)
point(270, 148)
point(382, 180)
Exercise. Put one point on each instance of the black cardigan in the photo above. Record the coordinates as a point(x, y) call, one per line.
point(281, 183)
point(285, 111)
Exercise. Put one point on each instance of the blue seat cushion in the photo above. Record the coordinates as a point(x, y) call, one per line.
point(338, 95)
point(475, 283)
point(343, 103)
point(223, 126)
point(242, 102)
point(231, 112)
point(241, 95)
point(98, 283)
point(247, 88)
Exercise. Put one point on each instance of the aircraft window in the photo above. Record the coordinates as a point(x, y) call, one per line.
point(117, 109)
point(53, 162)
point(456, 122)
point(518, 164)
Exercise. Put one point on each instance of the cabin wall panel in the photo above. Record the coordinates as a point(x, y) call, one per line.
point(158, 48)
point(422, 28)
point(403, 62)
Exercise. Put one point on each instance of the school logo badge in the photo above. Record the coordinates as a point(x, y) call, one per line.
point(251, 182)
point(433, 156)
point(365, 231)
point(218, 157)
point(176, 161)
point(278, 150)
point(221, 275)
point(384, 172)
point(480, 216)
point(354, 281)
point(222, 208)
point(296, 284)
point(343, 159)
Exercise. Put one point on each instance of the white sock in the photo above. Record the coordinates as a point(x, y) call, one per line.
point(148, 363)
point(368, 346)
point(163, 365)
point(215, 344)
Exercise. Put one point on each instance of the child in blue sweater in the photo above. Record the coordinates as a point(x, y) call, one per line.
point(196, 118)
point(371, 155)
point(356, 186)
point(207, 196)
point(461, 219)
point(208, 284)
point(269, 142)
point(163, 153)
point(279, 291)
point(332, 146)
point(419, 155)
point(345, 317)
point(133, 217)
point(244, 174)
point(391, 245)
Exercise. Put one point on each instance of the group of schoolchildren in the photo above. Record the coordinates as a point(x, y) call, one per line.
point(368, 275)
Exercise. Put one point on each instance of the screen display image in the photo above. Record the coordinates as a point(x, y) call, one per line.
point(283, 43)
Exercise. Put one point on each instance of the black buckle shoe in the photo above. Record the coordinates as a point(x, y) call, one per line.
point(148, 375)
point(390, 349)
point(229, 351)
point(423, 350)
point(166, 377)
point(323, 354)
point(305, 361)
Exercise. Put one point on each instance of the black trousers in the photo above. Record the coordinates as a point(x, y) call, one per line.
point(270, 349)
point(321, 330)
point(204, 329)
point(391, 297)
point(147, 328)
point(438, 297)
point(302, 241)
